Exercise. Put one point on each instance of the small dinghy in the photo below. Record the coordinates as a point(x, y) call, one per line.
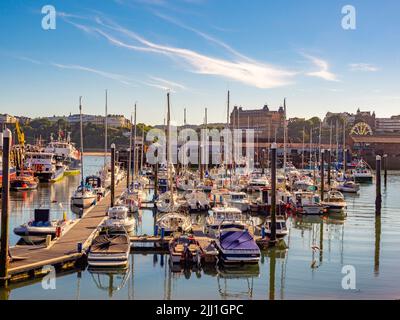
point(184, 250)
point(37, 230)
point(281, 227)
point(110, 249)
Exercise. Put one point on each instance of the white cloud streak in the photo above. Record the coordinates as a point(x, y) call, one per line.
point(364, 67)
point(117, 77)
point(247, 71)
point(323, 71)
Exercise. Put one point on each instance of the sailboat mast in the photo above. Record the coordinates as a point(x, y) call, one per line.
point(134, 147)
point(302, 154)
point(227, 127)
point(284, 137)
point(168, 147)
point(130, 154)
point(81, 129)
point(105, 130)
point(205, 142)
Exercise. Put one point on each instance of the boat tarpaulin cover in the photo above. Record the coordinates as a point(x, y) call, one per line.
point(110, 244)
point(238, 240)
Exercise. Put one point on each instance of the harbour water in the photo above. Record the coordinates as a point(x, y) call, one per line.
point(311, 267)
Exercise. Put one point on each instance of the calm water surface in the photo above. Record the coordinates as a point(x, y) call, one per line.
point(370, 245)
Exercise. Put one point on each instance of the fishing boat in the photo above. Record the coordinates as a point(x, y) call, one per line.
point(45, 166)
point(25, 181)
point(65, 151)
point(185, 249)
point(110, 248)
point(197, 201)
point(362, 173)
point(12, 175)
point(40, 227)
point(281, 227)
point(334, 201)
point(237, 246)
point(306, 202)
point(348, 187)
point(84, 197)
point(174, 222)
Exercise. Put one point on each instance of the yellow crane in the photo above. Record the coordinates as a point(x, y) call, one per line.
point(20, 134)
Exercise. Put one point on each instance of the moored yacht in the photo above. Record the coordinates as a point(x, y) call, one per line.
point(110, 248)
point(118, 216)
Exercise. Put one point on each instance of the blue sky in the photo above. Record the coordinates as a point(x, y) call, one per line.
point(261, 50)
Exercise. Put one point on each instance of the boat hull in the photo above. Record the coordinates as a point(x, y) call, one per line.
point(83, 202)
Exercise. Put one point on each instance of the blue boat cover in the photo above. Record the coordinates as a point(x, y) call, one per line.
point(237, 240)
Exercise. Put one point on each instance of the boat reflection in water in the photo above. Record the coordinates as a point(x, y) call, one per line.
point(230, 279)
point(110, 280)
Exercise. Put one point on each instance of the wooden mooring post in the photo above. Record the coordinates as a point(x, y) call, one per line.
point(378, 199)
point(385, 156)
point(272, 240)
point(4, 277)
point(329, 157)
point(322, 164)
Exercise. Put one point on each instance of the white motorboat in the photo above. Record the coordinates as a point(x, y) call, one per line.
point(118, 216)
point(110, 249)
point(197, 200)
point(239, 200)
point(281, 227)
point(307, 202)
point(348, 187)
point(174, 222)
point(334, 201)
point(83, 197)
point(224, 218)
point(237, 246)
point(38, 229)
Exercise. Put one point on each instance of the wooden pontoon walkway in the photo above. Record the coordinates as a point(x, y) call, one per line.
point(28, 259)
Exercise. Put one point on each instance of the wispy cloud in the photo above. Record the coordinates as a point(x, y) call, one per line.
point(323, 71)
point(29, 60)
point(168, 83)
point(247, 71)
point(117, 77)
point(365, 67)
